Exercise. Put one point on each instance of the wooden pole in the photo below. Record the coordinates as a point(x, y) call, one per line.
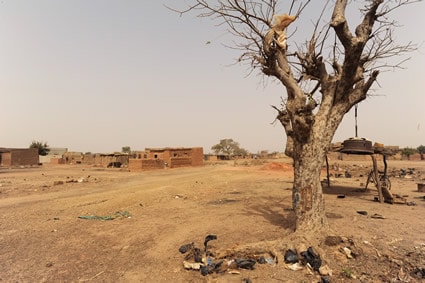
point(376, 174)
point(327, 171)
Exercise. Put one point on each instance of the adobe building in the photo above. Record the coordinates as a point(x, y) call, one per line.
point(159, 158)
point(55, 155)
point(117, 159)
point(17, 157)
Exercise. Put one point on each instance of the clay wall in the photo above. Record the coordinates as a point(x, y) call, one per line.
point(176, 162)
point(145, 164)
point(6, 159)
point(197, 156)
point(56, 160)
point(20, 157)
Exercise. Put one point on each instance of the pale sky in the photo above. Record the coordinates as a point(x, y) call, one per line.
point(94, 76)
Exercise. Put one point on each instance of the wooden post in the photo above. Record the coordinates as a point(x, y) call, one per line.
point(327, 171)
point(376, 174)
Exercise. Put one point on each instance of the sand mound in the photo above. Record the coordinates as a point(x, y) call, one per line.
point(277, 166)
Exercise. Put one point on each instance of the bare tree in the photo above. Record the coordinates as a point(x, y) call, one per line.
point(324, 78)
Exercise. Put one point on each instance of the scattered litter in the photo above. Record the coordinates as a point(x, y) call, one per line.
point(295, 266)
point(245, 263)
point(184, 248)
point(418, 273)
point(117, 214)
point(206, 261)
point(270, 260)
point(377, 216)
point(192, 265)
point(207, 239)
point(347, 252)
point(312, 258)
point(291, 256)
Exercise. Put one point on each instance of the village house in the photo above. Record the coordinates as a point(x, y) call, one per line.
point(159, 158)
point(17, 157)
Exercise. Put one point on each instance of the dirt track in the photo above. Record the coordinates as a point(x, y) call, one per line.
point(42, 238)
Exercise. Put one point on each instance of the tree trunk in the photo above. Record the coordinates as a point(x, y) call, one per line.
point(307, 196)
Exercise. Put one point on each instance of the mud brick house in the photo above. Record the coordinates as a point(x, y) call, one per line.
point(159, 158)
point(73, 157)
point(117, 159)
point(55, 155)
point(16, 157)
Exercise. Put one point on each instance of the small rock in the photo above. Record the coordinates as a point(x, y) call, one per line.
point(333, 240)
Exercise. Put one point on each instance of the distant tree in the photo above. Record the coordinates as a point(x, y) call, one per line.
point(43, 148)
point(421, 150)
point(407, 151)
point(228, 147)
point(126, 149)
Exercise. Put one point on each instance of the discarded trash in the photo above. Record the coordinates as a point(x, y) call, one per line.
point(291, 256)
point(197, 255)
point(204, 261)
point(312, 258)
point(192, 265)
point(117, 214)
point(295, 266)
point(207, 239)
point(418, 273)
point(362, 212)
point(184, 248)
point(245, 263)
point(377, 216)
point(269, 260)
point(347, 252)
point(261, 260)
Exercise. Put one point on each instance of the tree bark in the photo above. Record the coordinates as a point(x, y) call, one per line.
point(307, 196)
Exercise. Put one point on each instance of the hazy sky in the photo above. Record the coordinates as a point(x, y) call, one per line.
point(99, 75)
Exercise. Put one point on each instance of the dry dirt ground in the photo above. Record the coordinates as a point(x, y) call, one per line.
point(84, 224)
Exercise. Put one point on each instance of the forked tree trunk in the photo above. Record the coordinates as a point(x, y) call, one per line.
point(309, 157)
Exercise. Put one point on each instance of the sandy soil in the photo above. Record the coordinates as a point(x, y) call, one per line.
point(46, 234)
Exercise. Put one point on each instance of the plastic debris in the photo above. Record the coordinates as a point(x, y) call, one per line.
point(295, 266)
point(377, 216)
point(347, 252)
point(245, 263)
point(192, 265)
point(117, 214)
point(185, 248)
point(207, 239)
point(291, 256)
point(312, 258)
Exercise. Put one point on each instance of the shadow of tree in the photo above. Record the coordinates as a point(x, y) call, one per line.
point(277, 212)
point(347, 190)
